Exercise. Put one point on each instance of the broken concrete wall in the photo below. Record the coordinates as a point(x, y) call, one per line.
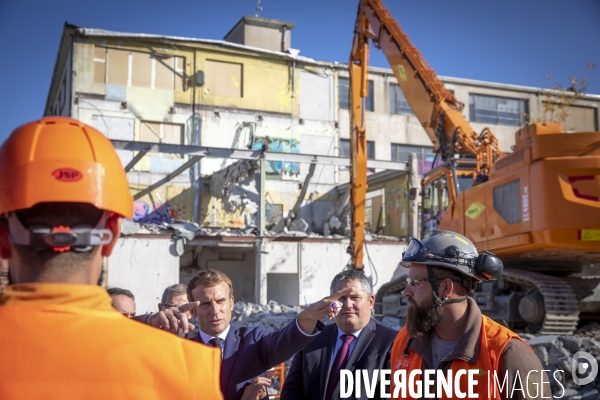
point(232, 199)
point(117, 93)
point(144, 265)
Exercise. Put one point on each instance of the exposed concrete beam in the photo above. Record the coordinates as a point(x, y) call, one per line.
point(167, 178)
point(135, 160)
point(218, 152)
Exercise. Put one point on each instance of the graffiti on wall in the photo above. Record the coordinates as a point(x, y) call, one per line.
point(158, 212)
point(279, 169)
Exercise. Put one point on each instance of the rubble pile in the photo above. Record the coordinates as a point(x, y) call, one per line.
point(556, 353)
point(270, 317)
point(391, 322)
point(184, 230)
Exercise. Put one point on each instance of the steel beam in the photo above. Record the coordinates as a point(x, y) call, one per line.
point(219, 152)
point(135, 160)
point(167, 178)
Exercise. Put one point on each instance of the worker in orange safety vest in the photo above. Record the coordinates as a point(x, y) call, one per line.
point(63, 192)
point(445, 332)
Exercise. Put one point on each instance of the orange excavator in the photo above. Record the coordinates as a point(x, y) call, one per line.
point(537, 208)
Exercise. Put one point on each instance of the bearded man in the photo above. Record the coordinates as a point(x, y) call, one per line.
point(445, 329)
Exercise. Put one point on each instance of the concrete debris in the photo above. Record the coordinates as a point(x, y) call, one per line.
point(333, 225)
point(556, 353)
point(299, 225)
point(130, 228)
point(544, 340)
point(270, 317)
point(334, 222)
point(391, 322)
point(185, 231)
point(591, 330)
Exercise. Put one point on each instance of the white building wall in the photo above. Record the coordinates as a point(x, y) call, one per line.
point(301, 272)
point(146, 266)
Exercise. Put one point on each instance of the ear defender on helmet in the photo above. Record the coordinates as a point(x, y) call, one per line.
point(488, 266)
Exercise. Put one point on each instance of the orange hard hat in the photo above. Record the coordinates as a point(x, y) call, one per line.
point(62, 160)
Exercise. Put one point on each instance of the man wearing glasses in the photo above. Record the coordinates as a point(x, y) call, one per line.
point(445, 329)
point(174, 296)
point(4, 281)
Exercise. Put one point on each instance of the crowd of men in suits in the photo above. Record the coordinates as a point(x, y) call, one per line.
point(353, 339)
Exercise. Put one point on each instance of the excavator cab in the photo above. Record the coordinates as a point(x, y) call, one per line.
point(436, 200)
point(441, 188)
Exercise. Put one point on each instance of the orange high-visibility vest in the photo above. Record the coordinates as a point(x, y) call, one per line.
point(493, 337)
point(65, 341)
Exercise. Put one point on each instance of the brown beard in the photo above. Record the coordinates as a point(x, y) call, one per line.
point(423, 318)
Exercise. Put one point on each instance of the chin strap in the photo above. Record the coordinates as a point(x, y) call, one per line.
point(438, 300)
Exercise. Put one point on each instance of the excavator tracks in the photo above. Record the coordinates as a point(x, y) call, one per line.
point(560, 302)
point(560, 305)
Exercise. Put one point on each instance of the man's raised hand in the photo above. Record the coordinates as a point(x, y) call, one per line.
point(174, 319)
point(307, 319)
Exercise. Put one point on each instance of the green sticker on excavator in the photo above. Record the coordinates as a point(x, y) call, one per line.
point(474, 210)
point(401, 72)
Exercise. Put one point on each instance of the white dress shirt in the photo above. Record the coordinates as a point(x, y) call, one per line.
point(223, 335)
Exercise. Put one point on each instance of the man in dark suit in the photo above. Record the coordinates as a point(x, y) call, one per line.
point(247, 352)
point(355, 341)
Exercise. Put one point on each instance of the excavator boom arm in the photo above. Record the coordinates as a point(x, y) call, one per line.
point(439, 112)
point(436, 108)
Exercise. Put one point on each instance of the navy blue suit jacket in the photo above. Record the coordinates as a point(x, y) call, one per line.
point(309, 373)
point(249, 352)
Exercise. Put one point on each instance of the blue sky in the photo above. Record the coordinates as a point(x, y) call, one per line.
point(506, 41)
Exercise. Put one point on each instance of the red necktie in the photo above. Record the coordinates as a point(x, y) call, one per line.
point(341, 358)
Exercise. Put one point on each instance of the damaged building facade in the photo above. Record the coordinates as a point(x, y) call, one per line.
point(254, 92)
